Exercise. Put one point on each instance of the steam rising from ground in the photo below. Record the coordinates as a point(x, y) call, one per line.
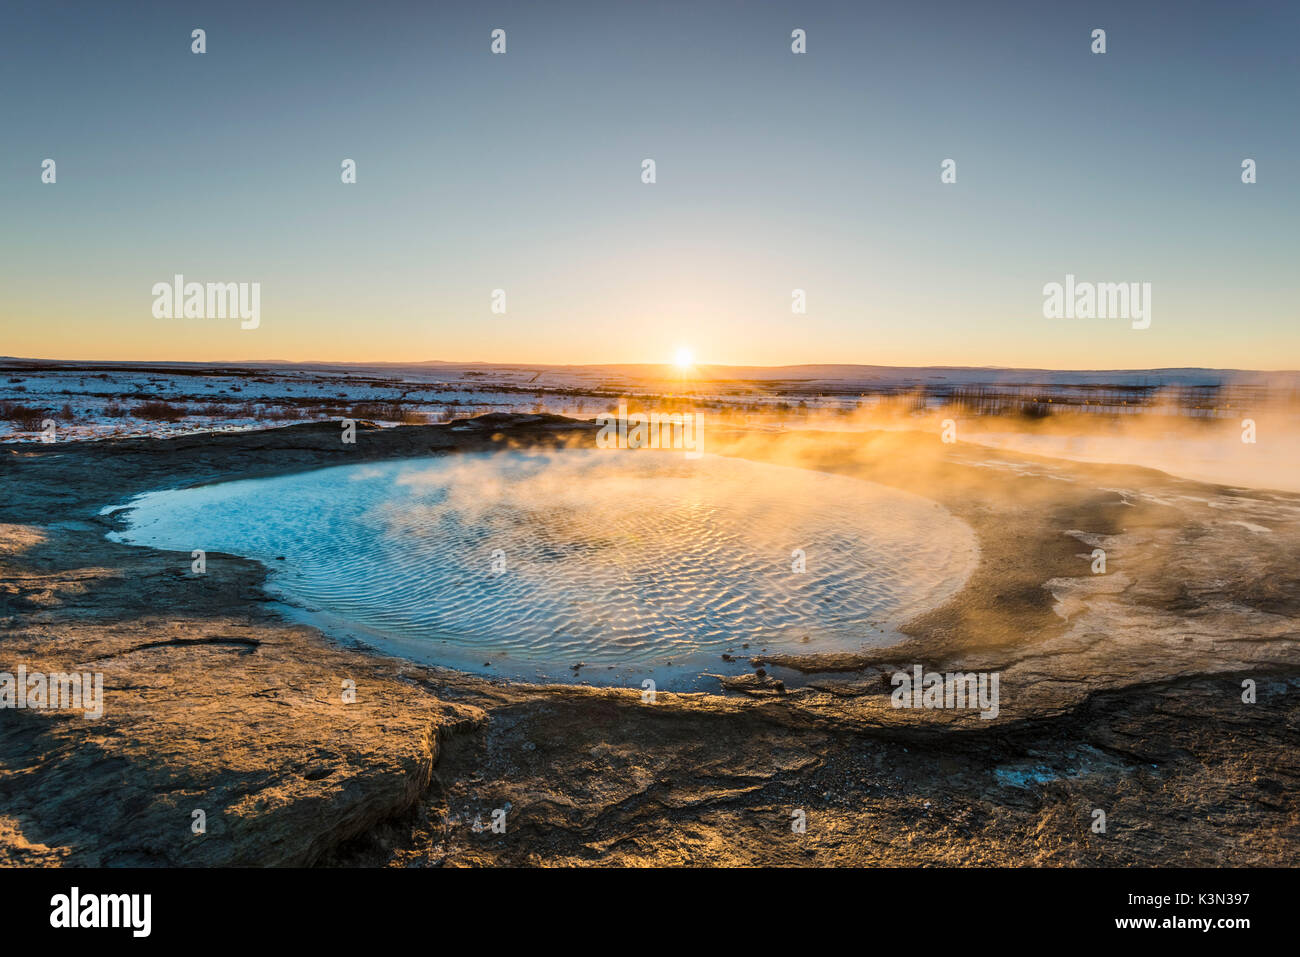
point(627, 564)
point(1207, 448)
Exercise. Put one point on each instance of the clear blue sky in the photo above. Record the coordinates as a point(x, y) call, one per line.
point(775, 171)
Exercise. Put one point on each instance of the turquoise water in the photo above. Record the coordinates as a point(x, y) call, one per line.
point(631, 564)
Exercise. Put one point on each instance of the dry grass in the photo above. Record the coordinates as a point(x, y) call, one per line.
point(25, 418)
point(160, 412)
point(389, 412)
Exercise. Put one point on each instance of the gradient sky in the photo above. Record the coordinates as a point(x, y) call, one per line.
point(775, 171)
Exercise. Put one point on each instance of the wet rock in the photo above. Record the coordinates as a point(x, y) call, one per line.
point(214, 702)
point(752, 684)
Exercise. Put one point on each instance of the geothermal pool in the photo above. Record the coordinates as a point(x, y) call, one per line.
point(632, 564)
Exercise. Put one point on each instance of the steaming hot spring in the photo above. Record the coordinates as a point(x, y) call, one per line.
point(627, 565)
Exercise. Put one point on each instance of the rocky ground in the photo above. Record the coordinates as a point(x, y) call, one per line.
point(1120, 692)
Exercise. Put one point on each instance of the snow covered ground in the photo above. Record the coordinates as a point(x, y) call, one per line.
point(87, 400)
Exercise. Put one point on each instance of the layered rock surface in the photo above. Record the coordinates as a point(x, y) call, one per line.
point(1119, 692)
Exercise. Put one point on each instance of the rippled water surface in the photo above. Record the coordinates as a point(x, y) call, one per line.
point(633, 564)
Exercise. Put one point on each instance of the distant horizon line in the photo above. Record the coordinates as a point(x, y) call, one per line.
point(699, 366)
